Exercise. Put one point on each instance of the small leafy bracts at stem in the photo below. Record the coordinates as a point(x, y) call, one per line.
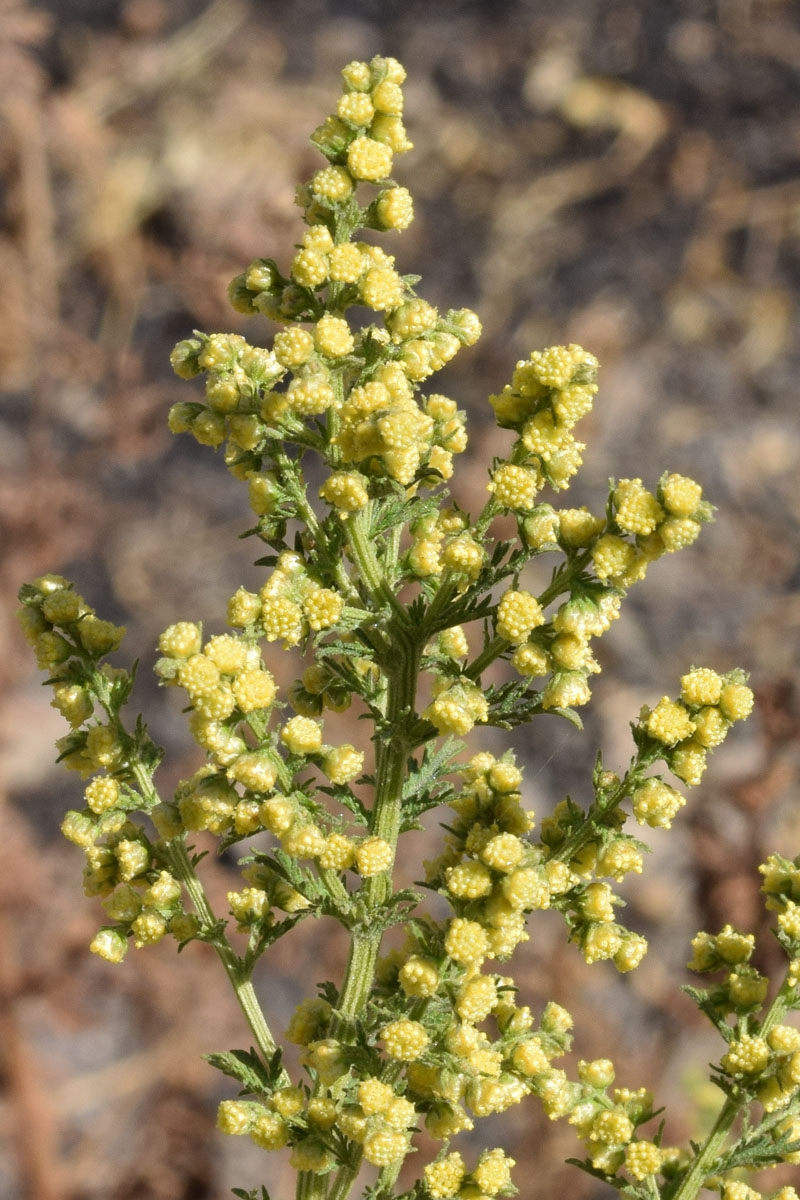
point(398, 602)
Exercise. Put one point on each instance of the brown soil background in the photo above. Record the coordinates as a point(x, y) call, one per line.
point(606, 171)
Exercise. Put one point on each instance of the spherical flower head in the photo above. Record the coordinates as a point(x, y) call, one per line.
point(301, 735)
point(322, 608)
point(577, 526)
point(374, 1096)
point(669, 722)
point(244, 608)
point(469, 880)
point(303, 839)
point(310, 396)
point(235, 1117)
point(281, 619)
point(493, 1172)
point(346, 263)
point(254, 690)
point(394, 208)
point(269, 1132)
point(637, 510)
point(466, 942)
point(701, 686)
point(642, 1159)
point(789, 920)
point(680, 495)
point(518, 613)
point(571, 652)
point(514, 487)
point(503, 852)
point(464, 556)
point(688, 761)
point(293, 346)
point(405, 1040)
point(148, 928)
point(110, 944)
point(309, 268)
point(529, 1058)
point(411, 319)
point(382, 288)
point(356, 107)
point(343, 764)
point(102, 794)
point(736, 701)
point(453, 642)
point(597, 902)
point(332, 336)
point(566, 689)
point(630, 953)
point(711, 728)
point(369, 160)
point(747, 1055)
point(373, 856)
point(526, 889)
point(199, 676)
point(62, 607)
point(476, 999)
point(736, 1190)
point(384, 1147)
point(419, 977)
point(677, 532)
point(614, 1127)
point(332, 184)
point(531, 660)
point(619, 859)
point(346, 491)
point(612, 556)
point(656, 804)
point(338, 852)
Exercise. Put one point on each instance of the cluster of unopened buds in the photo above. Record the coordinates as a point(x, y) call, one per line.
point(382, 584)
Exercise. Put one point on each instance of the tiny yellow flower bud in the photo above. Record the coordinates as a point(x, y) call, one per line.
point(269, 1132)
point(368, 159)
point(736, 701)
point(466, 942)
point(243, 608)
point(110, 944)
point(405, 1040)
point(669, 722)
point(181, 640)
point(301, 735)
point(373, 856)
point(444, 1177)
point(343, 764)
point(701, 686)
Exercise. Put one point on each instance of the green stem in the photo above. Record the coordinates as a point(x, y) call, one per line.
point(487, 656)
point(384, 823)
point(370, 568)
point(178, 858)
point(310, 1186)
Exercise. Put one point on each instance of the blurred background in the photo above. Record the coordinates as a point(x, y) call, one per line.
point(612, 172)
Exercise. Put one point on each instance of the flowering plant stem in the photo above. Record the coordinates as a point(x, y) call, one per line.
point(386, 587)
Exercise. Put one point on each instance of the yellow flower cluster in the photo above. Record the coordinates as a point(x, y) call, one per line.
point(692, 726)
point(548, 394)
point(238, 378)
point(489, 872)
point(659, 523)
point(561, 648)
point(456, 707)
point(384, 430)
point(447, 1177)
point(289, 606)
point(444, 545)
